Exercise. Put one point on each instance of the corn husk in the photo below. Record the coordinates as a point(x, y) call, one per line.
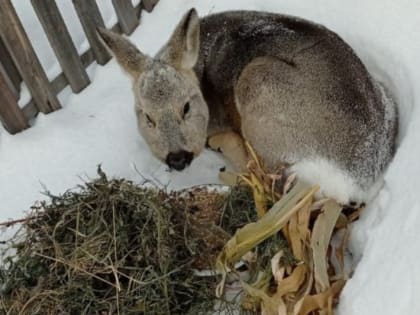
point(312, 283)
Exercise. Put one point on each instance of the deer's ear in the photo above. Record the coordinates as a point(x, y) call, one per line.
point(132, 60)
point(181, 51)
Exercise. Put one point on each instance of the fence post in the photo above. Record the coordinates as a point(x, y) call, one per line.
point(90, 17)
point(10, 113)
point(126, 15)
point(148, 5)
point(22, 52)
point(9, 67)
point(60, 40)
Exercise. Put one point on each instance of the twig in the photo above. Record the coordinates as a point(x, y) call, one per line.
point(17, 221)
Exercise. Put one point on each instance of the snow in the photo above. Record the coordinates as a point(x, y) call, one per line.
point(98, 126)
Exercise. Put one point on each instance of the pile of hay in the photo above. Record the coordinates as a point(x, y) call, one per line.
point(114, 247)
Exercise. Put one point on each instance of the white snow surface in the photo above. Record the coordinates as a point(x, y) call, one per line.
point(98, 126)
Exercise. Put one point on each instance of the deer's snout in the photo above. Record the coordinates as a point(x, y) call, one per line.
point(179, 160)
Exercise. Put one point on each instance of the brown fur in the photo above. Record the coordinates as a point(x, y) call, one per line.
point(292, 88)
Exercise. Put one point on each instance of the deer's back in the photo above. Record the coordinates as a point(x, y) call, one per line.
point(231, 40)
point(334, 87)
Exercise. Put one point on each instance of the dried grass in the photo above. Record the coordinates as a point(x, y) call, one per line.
point(113, 247)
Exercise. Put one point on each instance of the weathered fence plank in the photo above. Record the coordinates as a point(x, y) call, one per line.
point(148, 5)
point(10, 113)
point(61, 42)
point(90, 17)
point(25, 59)
point(8, 81)
point(126, 15)
point(10, 68)
point(58, 84)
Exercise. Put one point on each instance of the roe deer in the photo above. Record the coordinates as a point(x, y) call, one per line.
point(292, 88)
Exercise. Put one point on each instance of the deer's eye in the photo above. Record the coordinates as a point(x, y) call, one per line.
point(186, 110)
point(150, 122)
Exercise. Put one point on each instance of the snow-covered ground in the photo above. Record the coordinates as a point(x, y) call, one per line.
point(98, 126)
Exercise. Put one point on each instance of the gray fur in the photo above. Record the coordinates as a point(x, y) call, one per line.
point(292, 88)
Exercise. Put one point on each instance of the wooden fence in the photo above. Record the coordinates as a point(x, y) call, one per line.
point(18, 60)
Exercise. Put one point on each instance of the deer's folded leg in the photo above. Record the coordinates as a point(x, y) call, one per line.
point(232, 146)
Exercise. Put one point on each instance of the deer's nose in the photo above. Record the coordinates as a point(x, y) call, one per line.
point(179, 160)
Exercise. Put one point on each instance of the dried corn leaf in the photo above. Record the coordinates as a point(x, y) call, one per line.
point(339, 252)
point(294, 237)
point(250, 301)
point(260, 198)
point(270, 305)
point(292, 283)
point(298, 231)
point(276, 269)
point(342, 221)
point(321, 301)
point(294, 214)
point(254, 233)
point(321, 236)
point(356, 214)
point(303, 293)
point(254, 157)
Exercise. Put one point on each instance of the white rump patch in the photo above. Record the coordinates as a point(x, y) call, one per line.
point(334, 182)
